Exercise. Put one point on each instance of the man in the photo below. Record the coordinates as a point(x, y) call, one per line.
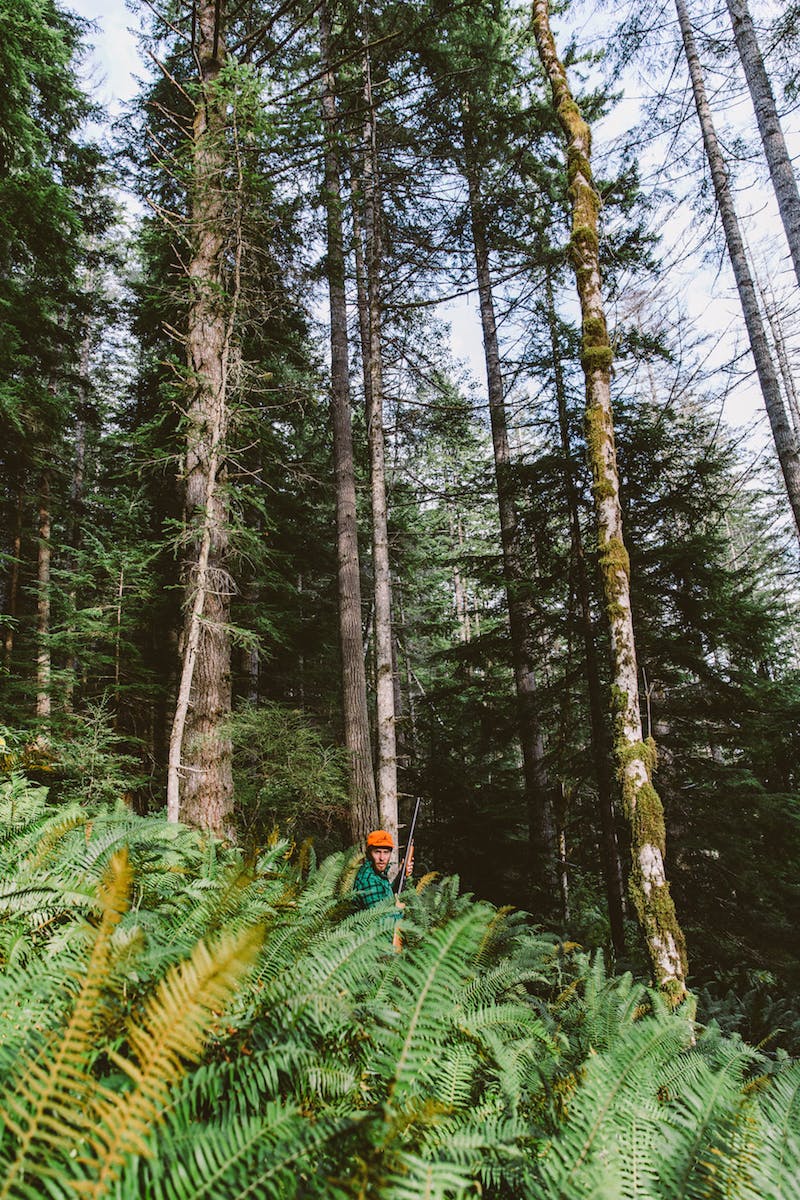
point(372, 884)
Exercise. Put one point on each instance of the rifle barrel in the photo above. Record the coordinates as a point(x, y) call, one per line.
point(409, 844)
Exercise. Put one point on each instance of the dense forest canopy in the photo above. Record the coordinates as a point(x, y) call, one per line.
point(279, 567)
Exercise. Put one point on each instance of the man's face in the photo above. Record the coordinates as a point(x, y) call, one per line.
point(380, 857)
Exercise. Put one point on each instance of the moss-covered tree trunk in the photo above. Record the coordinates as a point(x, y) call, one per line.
point(200, 780)
point(635, 758)
point(612, 864)
point(361, 782)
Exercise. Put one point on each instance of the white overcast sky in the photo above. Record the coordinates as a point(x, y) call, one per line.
point(111, 67)
point(110, 71)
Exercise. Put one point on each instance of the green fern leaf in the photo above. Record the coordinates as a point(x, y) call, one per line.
point(49, 1098)
point(171, 1032)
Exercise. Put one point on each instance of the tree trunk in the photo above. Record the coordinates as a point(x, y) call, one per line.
point(411, 738)
point(13, 582)
point(362, 303)
point(118, 644)
point(43, 663)
point(785, 443)
point(769, 126)
point(250, 661)
point(612, 865)
point(386, 735)
point(787, 375)
point(635, 758)
point(363, 805)
point(200, 782)
point(537, 785)
point(459, 591)
point(369, 321)
point(76, 492)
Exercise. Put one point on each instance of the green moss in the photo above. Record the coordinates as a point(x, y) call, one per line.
point(584, 236)
point(568, 112)
point(594, 331)
point(578, 163)
point(614, 559)
point(648, 817)
point(646, 751)
point(597, 358)
point(583, 274)
point(658, 919)
point(598, 434)
point(655, 910)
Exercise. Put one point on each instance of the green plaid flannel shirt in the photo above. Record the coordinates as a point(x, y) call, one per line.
point(370, 887)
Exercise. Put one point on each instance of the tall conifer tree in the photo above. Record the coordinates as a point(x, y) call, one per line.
point(363, 806)
point(200, 784)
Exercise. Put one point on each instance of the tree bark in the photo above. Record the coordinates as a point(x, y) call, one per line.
point(769, 126)
point(537, 784)
point(363, 805)
point(635, 758)
point(785, 443)
point(76, 492)
point(386, 734)
point(43, 662)
point(459, 591)
point(13, 582)
point(773, 316)
point(369, 321)
point(250, 660)
point(200, 781)
point(612, 864)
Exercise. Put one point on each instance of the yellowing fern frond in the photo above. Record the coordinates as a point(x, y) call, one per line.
point(50, 1097)
point(171, 1034)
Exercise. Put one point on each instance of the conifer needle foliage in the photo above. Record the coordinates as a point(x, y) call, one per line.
point(199, 1025)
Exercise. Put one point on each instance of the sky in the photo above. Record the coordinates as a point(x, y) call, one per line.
point(114, 62)
point(705, 289)
point(111, 69)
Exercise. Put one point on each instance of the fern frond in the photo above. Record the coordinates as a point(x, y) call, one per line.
point(34, 998)
point(617, 1086)
point(51, 837)
point(491, 1147)
point(337, 963)
point(779, 1167)
point(428, 981)
point(49, 1097)
point(703, 1098)
point(412, 1177)
point(254, 1158)
point(455, 1077)
point(511, 1020)
point(26, 900)
point(22, 844)
point(172, 1032)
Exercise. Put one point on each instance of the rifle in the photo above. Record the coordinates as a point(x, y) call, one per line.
point(409, 846)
